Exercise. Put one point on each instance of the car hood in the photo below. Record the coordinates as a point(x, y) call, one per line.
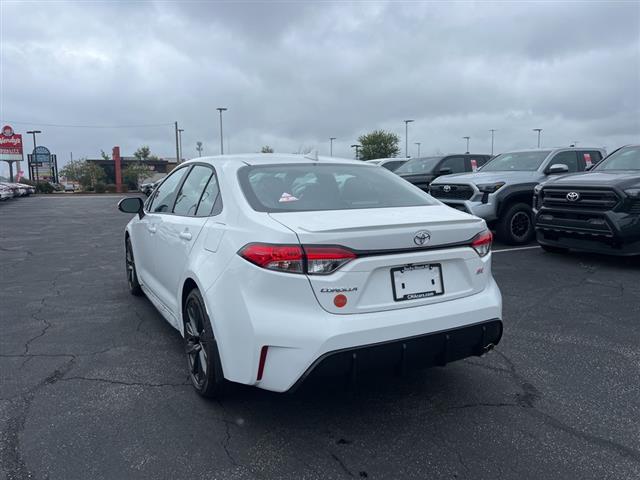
point(491, 177)
point(620, 178)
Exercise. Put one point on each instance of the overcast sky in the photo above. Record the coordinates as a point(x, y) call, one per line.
point(293, 74)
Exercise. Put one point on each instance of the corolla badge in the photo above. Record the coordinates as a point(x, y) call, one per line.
point(573, 196)
point(446, 188)
point(422, 237)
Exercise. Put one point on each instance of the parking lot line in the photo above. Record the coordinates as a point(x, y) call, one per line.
point(517, 248)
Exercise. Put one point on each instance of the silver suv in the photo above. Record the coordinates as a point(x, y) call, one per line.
point(502, 190)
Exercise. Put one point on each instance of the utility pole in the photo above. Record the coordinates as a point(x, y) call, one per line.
point(221, 109)
point(180, 130)
point(177, 144)
point(467, 139)
point(538, 130)
point(493, 130)
point(418, 144)
point(33, 156)
point(406, 137)
point(357, 147)
point(199, 148)
point(331, 139)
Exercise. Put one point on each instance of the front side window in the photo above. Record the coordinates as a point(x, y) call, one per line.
point(517, 161)
point(627, 158)
point(165, 194)
point(325, 186)
point(191, 191)
point(455, 164)
point(568, 158)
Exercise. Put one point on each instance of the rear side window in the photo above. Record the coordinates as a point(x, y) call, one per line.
point(165, 194)
point(192, 190)
point(326, 186)
point(568, 158)
point(210, 203)
point(590, 158)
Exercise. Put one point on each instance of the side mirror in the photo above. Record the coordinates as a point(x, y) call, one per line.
point(444, 171)
point(557, 168)
point(132, 205)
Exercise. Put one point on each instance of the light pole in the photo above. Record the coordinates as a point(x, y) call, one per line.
point(493, 130)
point(538, 130)
point(357, 147)
point(199, 148)
point(406, 137)
point(221, 109)
point(180, 130)
point(331, 139)
point(418, 144)
point(33, 157)
point(467, 139)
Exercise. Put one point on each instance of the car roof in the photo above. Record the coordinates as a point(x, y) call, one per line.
point(272, 159)
point(550, 149)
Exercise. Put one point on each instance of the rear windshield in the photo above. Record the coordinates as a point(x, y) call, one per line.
point(326, 186)
point(418, 165)
point(517, 161)
point(627, 158)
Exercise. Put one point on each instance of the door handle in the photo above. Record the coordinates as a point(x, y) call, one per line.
point(151, 228)
point(186, 235)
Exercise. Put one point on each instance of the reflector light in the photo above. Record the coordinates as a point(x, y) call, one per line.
point(481, 243)
point(340, 300)
point(263, 360)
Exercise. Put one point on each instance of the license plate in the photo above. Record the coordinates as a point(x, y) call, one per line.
point(417, 281)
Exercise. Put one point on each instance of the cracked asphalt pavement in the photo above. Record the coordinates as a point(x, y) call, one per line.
point(93, 382)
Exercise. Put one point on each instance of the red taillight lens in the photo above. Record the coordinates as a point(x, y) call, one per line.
point(318, 260)
point(324, 260)
point(481, 243)
point(283, 258)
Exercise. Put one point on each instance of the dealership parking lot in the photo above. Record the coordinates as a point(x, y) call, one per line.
point(94, 384)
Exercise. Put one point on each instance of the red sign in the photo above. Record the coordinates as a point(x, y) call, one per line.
point(10, 144)
point(587, 160)
point(474, 165)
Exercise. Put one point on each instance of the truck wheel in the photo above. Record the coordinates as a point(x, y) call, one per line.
point(515, 226)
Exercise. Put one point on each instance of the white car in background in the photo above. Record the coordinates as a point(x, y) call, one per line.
point(388, 163)
point(276, 267)
point(5, 192)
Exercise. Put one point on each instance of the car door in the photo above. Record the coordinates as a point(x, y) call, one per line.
point(160, 205)
point(177, 233)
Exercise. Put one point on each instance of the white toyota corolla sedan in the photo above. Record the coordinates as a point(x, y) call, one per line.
point(276, 267)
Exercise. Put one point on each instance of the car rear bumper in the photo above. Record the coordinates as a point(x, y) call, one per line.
point(422, 351)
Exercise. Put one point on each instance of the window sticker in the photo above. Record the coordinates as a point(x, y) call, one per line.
point(287, 197)
point(474, 165)
point(587, 159)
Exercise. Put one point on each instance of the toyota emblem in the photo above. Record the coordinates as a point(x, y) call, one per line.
point(573, 196)
point(422, 237)
point(446, 188)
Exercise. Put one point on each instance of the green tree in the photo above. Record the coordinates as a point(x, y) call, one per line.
point(73, 170)
point(88, 174)
point(266, 149)
point(104, 155)
point(135, 173)
point(144, 153)
point(379, 144)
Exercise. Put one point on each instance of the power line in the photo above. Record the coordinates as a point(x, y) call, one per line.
point(88, 126)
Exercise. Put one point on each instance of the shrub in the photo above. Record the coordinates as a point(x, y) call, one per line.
point(100, 187)
point(110, 188)
point(44, 187)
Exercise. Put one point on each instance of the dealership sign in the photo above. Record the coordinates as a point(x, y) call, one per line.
point(10, 145)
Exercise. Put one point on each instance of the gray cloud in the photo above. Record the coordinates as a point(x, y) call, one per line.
point(295, 73)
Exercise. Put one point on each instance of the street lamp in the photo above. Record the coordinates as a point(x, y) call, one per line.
point(467, 139)
point(33, 157)
point(180, 130)
point(418, 144)
point(406, 137)
point(199, 148)
point(538, 130)
point(221, 109)
point(357, 147)
point(493, 130)
point(331, 139)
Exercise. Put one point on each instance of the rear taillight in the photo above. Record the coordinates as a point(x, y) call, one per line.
point(312, 260)
point(481, 243)
point(283, 258)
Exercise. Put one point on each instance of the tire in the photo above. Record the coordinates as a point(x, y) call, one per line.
point(132, 274)
point(552, 249)
point(515, 226)
point(201, 348)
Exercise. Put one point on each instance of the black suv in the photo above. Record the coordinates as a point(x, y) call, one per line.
point(422, 171)
point(596, 211)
